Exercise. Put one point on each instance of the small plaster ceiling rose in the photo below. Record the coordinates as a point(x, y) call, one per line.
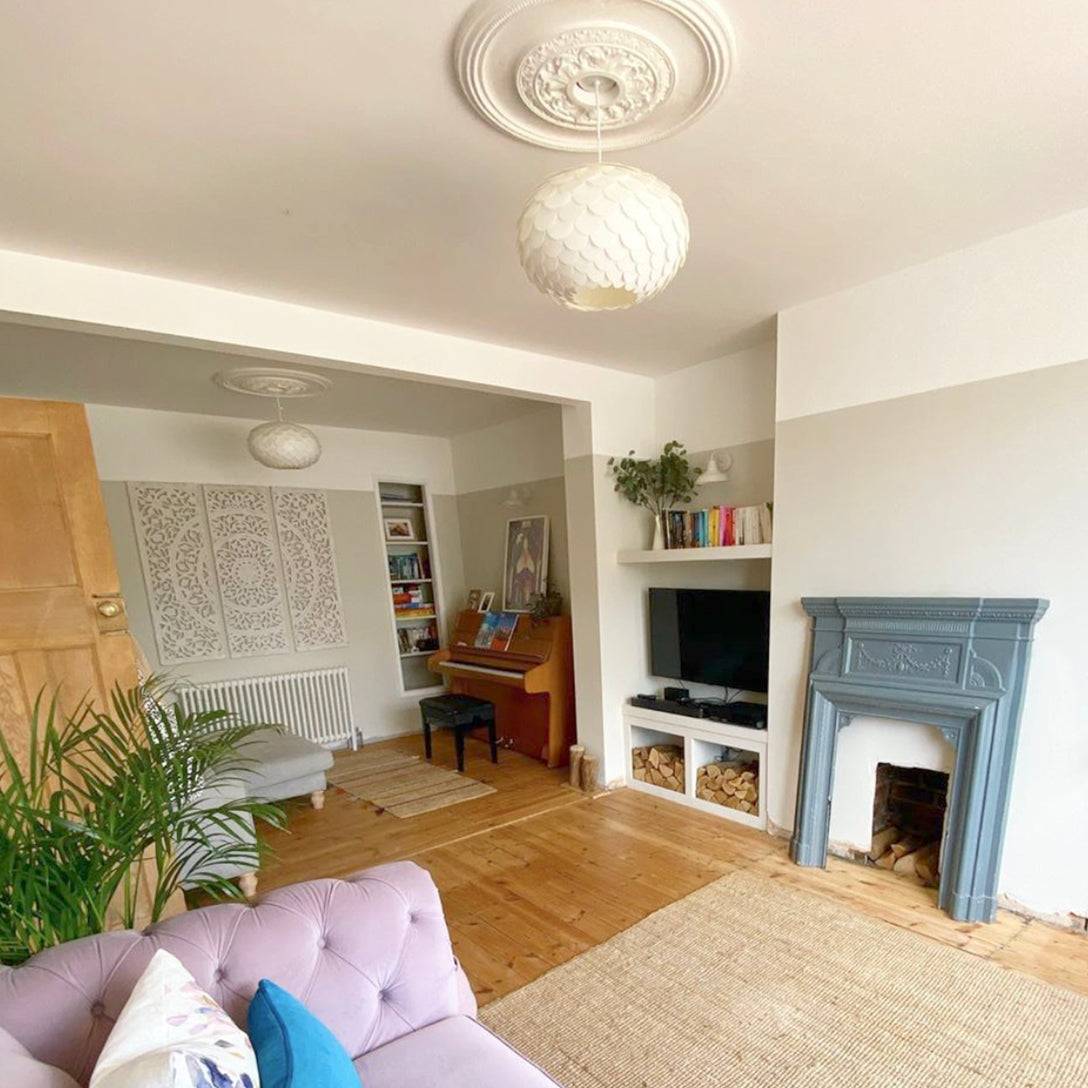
point(278, 444)
point(269, 381)
point(531, 68)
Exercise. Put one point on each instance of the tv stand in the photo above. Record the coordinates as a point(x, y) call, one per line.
point(703, 742)
point(747, 715)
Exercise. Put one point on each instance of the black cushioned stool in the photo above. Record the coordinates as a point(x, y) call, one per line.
point(459, 713)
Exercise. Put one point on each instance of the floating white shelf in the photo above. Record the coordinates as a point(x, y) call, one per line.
point(408, 581)
point(689, 555)
point(414, 505)
point(402, 617)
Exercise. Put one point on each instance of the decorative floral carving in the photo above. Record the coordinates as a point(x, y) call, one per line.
point(248, 569)
point(906, 657)
point(555, 79)
point(309, 564)
point(176, 559)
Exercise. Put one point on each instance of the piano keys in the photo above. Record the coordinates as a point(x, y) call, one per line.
point(531, 682)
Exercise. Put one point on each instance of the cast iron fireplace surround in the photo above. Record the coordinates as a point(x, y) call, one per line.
point(957, 663)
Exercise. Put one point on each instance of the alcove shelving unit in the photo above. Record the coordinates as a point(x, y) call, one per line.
point(413, 579)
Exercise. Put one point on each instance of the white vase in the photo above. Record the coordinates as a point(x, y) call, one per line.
point(658, 544)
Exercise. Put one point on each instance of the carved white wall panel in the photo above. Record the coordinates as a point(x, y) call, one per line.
point(175, 552)
point(247, 568)
point(309, 564)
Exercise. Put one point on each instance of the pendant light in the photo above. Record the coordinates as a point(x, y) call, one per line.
point(604, 236)
point(278, 444)
point(283, 445)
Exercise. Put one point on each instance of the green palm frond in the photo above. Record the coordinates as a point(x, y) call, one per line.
point(100, 789)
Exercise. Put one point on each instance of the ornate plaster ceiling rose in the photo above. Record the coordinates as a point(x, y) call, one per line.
point(272, 381)
point(529, 67)
point(278, 444)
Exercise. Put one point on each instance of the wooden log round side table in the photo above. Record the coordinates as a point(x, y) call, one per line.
point(459, 713)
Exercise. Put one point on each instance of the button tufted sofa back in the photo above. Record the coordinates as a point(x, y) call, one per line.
point(370, 956)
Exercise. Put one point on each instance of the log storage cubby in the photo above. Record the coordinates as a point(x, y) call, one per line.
point(730, 779)
point(657, 759)
point(708, 765)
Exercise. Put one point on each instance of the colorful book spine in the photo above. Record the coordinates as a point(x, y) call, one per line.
point(719, 526)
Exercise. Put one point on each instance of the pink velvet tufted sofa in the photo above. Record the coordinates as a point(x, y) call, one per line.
point(370, 955)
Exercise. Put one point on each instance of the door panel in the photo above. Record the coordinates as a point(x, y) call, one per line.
point(57, 571)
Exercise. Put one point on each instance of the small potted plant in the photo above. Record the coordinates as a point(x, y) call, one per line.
point(658, 485)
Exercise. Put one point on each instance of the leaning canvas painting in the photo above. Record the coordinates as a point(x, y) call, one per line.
point(526, 562)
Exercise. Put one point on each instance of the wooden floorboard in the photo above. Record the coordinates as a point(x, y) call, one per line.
point(536, 873)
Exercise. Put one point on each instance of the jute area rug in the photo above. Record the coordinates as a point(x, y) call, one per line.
point(747, 983)
point(403, 785)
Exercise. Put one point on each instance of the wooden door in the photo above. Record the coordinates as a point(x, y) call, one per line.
point(62, 618)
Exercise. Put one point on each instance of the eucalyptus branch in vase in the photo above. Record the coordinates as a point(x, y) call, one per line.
point(657, 485)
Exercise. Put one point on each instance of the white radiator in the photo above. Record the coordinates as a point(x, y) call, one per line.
point(315, 705)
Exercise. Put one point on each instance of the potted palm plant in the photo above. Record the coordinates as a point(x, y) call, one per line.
point(106, 812)
point(657, 484)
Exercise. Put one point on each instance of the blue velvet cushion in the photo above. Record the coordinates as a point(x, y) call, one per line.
point(294, 1049)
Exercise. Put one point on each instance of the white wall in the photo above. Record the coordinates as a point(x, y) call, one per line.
point(725, 401)
point(516, 451)
point(963, 487)
point(1011, 304)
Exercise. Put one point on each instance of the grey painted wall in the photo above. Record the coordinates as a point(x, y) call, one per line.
point(483, 521)
point(379, 708)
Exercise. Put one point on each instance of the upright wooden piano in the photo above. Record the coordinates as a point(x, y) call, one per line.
point(531, 682)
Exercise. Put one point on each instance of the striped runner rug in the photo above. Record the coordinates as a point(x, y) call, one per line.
point(403, 785)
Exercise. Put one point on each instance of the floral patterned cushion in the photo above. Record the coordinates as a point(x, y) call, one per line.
point(171, 1034)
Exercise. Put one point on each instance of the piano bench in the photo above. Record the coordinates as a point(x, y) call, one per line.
point(459, 713)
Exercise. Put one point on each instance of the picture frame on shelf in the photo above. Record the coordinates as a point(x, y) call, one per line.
point(474, 598)
point(398, 529)
point(486, 601)
point(526, 570)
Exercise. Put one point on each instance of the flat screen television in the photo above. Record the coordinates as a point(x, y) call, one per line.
point(711, 636)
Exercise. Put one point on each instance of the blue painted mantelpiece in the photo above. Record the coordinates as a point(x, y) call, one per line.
point(958, 663)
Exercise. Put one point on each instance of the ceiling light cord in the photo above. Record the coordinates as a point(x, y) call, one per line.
point(597, 97)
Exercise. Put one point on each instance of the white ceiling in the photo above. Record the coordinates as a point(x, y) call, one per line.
point(56, 365)
point(321, 152)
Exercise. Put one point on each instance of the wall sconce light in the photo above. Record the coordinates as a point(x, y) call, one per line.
point(717, 469)
point(517, 497)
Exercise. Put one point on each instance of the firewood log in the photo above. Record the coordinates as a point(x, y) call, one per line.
point(887, 859)
point(882, 840)
point(576, 753)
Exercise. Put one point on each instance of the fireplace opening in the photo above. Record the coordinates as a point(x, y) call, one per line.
point(909, 806)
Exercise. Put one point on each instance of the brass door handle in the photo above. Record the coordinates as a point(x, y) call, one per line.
point(109, 609)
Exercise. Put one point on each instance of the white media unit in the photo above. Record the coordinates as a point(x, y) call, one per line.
point(702, 741)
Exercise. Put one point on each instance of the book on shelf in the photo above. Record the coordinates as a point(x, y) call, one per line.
point(719, 526)
point(405, 567)
point(412, 640)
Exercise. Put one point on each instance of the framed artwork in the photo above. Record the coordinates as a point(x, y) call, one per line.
point(486, 601)
point(399, 529)
point(526, 562)
point(474, 598)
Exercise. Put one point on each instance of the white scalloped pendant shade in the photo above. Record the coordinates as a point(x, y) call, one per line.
point(284, 445)
point(602, 237)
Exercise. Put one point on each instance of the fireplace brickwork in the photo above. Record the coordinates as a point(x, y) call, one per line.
point(957, 663)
